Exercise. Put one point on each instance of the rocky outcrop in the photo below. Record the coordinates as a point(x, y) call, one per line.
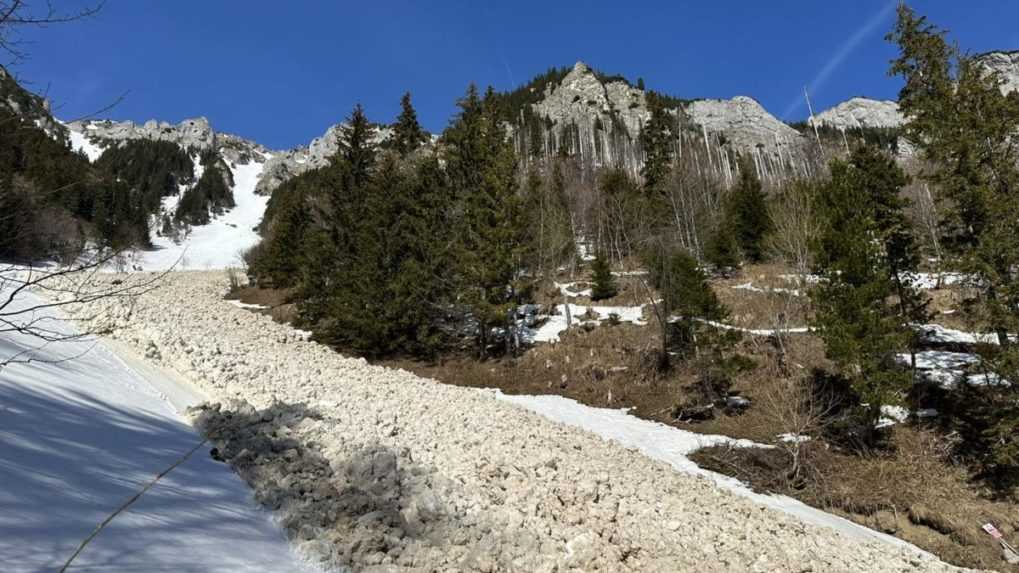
point(861, 112)
point(287, 164)
point(582, 99)
point(375, 469)
point(195, 133)
point(21, 102)
point(744, 123)
point(1006, 64)
point(599, 121)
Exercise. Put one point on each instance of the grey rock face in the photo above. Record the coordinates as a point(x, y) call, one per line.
point(601, 121)
point(744, 122)
point(861, 112)
point(1006, 64)
point(195, 133)
point(287, 164)
point(582, 98)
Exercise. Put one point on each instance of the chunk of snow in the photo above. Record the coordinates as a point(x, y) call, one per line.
point(752, 331)
point(928, 281)
point(240, 304)
point(567, 290)
point(793, 438)
point(891, 415)
point(556, 323)
point(935, 333)
point(941, 360)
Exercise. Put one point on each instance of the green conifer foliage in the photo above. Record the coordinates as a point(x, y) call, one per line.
point(604, 283)
point(491, 228)
point(657, 140)
point(407, 133)
point(856, 315)
point(749, 214)
point(964, 126)
point(688, 305)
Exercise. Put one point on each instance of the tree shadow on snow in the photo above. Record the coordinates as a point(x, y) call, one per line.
point(368, 501)
point(69, 456)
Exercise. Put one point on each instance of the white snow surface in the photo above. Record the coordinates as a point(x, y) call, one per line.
point(567, 290)
point(81, 437)
point(219, 244)
point(556, 323)
point(81, 143)
point(673, 446)
point(749, 286)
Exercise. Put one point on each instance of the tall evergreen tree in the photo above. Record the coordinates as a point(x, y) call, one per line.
point(749, 214)
point(491, 228)
point(964, 125)
point(657, 139)
point(688, 310)
point(407, 133)
point(856, 316)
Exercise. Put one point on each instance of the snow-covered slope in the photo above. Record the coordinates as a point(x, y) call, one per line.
point(81, 437)
point(219, 244)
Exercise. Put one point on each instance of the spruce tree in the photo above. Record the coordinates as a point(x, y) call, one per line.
point(749, 214)
point(688, 312)
point(855, 313)
point(964, 126)
point(491, 229)
point(407, 133)
point(722, 249)
point(604, 283)
point(656, 139)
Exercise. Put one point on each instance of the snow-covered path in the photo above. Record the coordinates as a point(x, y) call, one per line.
point(78, 438)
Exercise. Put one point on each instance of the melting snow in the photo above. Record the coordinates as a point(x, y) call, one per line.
point(673, 446)
point(777, 290)
point(556, 323)
point(567, 290)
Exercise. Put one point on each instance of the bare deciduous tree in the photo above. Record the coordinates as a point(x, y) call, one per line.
point(795, 225)
point(18, 14)
point(31, 297)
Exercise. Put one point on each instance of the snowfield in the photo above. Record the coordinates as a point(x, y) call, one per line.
point(381, 470)
point(80, 435)
point(219, 244)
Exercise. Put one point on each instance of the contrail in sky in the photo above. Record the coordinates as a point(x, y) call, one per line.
point(843, 52)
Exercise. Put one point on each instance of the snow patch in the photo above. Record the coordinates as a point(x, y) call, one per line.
point(81, 144)
point(557, 323)
point(749, 286)
point(219, 244)
point(673, 446)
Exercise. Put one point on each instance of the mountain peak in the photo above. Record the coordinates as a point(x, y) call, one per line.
point(581, 68)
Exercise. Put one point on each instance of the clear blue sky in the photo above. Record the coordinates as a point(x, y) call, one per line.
point(280, 72)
